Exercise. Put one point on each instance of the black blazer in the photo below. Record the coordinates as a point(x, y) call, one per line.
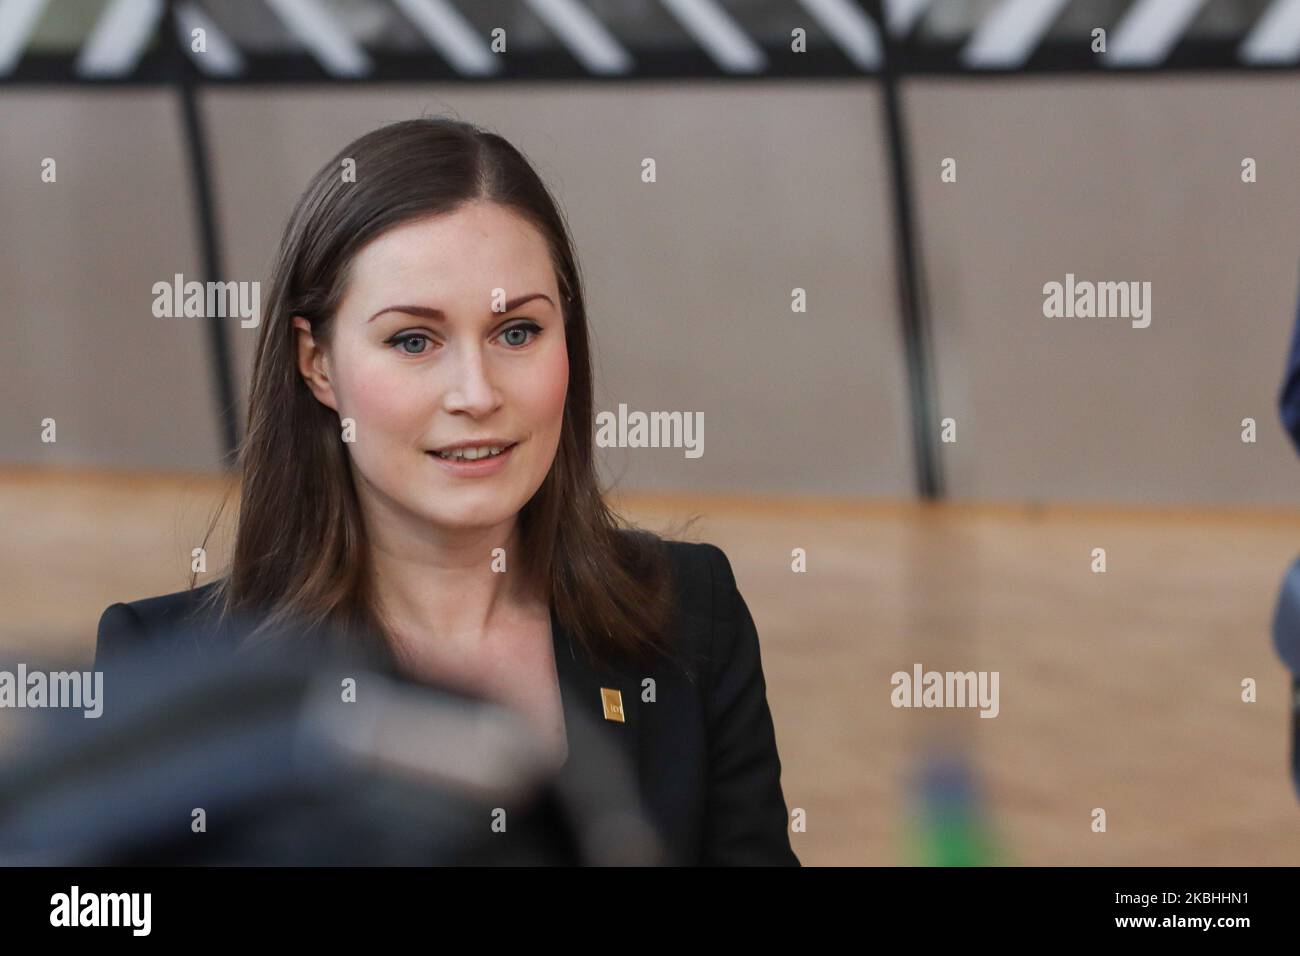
point(704, 750)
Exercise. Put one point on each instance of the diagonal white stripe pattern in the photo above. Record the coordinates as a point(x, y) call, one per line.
point(452, 36)
point(1007, 37)
point(335, 50)
point(584, 36)
point(1276, 36)
point(1149, 30)
point(714, 30)
point(851, 29)
point(222, 57)
point(901, 15)
point(17, 21)
point(118, 40)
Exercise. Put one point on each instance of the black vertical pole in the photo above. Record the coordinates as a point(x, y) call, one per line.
point(218, 335)
point(910, 272)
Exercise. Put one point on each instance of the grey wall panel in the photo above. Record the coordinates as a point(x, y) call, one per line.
point(79, 260)
point(1112, 179)
point(761, 188)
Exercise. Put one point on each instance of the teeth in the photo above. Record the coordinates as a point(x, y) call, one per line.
point(471, 454)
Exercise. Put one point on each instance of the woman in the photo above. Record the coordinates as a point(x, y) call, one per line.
point(418, 469)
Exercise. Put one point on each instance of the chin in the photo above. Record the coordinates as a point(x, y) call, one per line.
point(473, 517)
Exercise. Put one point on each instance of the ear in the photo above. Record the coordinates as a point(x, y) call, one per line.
point(313, 364)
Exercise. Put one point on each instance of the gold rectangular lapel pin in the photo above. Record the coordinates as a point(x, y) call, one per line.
point(612, 700)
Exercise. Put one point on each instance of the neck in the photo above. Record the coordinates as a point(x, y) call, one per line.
point(438, 587)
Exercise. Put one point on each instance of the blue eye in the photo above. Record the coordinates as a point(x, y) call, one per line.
point(401, 342)
point(517, 336)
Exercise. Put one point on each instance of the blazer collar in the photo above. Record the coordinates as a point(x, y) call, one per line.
point(581, 685)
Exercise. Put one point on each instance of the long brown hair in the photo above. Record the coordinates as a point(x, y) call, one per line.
point(300, 554)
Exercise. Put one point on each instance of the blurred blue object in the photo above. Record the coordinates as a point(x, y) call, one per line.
point(1289, 398)
point(1286, 640)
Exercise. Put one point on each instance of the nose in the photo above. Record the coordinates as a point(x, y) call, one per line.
point(470, 391)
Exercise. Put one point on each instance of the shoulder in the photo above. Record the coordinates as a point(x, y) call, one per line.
point(705, 598)
point(126, 625)
point(697, 570)
point(746, 816)
point(708, 597)
point(692, 563)
point(703, 581)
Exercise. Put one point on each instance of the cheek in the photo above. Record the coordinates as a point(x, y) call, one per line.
point(378, 401)
point(548, 388)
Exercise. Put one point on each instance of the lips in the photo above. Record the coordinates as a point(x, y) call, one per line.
point(473, 451)
point(488, 459)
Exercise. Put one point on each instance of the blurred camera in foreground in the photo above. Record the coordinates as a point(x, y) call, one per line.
point(291, 754)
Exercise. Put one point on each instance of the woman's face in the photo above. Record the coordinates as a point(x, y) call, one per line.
point(450, 334)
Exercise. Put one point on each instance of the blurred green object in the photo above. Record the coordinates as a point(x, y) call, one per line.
point(950, 828)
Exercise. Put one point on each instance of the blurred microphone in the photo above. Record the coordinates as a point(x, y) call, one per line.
point(1286, 638)
point(290, 755)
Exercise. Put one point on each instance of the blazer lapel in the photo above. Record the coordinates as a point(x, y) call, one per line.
point(581, 686)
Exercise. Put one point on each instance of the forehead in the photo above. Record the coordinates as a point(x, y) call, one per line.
point(478, 247)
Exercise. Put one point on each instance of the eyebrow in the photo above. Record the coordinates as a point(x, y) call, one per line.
point(428, 312)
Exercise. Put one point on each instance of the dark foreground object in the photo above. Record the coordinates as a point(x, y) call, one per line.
point(284, 758)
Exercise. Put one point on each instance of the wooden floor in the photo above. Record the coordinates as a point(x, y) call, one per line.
point(1119, 690)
